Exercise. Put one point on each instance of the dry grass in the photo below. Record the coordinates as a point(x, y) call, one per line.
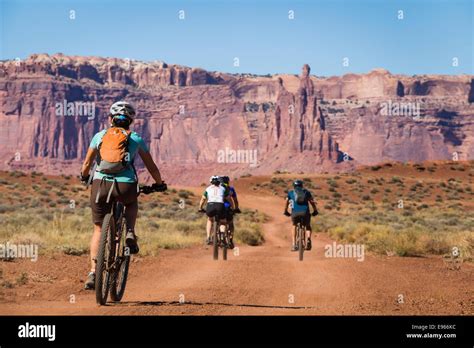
point(37, 209)
point(403, 209)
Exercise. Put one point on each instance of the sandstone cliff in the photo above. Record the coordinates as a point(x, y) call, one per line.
point(197, 122)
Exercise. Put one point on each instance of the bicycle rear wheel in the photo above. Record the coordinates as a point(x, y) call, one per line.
point(301, 246)
point(120, 274)
point(105, 259)
point(215, 239)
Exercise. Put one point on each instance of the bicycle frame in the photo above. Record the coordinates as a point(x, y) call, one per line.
point(113, 258)
point(118, 212)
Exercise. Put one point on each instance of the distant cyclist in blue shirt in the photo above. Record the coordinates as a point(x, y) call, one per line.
point(225, 181)
point(299, 199)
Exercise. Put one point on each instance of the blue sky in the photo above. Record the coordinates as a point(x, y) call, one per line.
point(258, 32)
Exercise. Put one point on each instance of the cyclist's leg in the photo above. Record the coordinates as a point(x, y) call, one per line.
point(99, 209)
point(307, 222)
point(308, 226)
point(208, 227)
point(127, 194)
point(210, 212)
point(94, 245)
point(293, 233)
point(222, 217)
point(230, 222)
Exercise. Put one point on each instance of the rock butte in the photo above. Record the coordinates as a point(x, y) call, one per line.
point(186, 115)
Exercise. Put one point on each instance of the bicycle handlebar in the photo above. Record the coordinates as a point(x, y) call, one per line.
point(153, 188)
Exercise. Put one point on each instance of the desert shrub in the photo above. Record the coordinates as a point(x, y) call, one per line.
point(332, 183)
point(396, 180)
point(428, 231)
point(185, 193)
point(249, 236)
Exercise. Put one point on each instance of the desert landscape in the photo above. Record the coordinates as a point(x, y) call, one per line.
point(409, 265)
point(388, 158)
point(295, 123)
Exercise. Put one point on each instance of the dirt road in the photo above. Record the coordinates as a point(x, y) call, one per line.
point(266, 279)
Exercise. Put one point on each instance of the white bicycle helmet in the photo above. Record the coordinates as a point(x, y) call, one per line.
point(122, 108)
point(214, 179)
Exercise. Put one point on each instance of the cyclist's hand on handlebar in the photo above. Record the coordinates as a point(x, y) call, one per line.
point(315, 213)
point(286, 213)
point(146, 189)
point(84, 178)
point(153, 188)
point(159, 187)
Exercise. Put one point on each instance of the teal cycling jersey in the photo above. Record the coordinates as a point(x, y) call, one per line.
point(299, 208)
point(128, 175)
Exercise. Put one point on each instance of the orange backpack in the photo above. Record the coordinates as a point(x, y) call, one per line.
point(114, 156)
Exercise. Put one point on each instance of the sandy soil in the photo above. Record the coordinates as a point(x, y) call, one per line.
point(266, 280)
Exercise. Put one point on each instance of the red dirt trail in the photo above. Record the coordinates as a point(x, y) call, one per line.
point(265, 280)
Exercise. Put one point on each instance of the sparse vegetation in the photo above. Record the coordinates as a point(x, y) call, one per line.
point(165, 220)
point(435, 215)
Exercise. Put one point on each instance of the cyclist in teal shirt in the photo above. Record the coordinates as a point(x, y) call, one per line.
point(299, 200)
point(109, 183)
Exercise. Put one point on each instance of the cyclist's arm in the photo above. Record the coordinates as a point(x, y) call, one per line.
point(287, 203)
point(236, 201)
point(203, 201)
point(230, 199)
point(90, 156)
point(150, 165)
point(313, 204)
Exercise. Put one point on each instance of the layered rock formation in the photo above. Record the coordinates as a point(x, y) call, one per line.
point(198, 122)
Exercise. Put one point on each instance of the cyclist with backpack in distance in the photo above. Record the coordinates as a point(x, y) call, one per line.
point(229, 213)
point(215, 195)
point(299, 199)
point(115, 177)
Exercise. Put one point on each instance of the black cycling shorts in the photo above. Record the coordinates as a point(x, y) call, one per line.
point(229, 214)
point(215, 209)
point(305, 218)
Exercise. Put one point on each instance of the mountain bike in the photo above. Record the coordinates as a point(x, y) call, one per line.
point(113, 257)
point(300, 236)
point(219, 239)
